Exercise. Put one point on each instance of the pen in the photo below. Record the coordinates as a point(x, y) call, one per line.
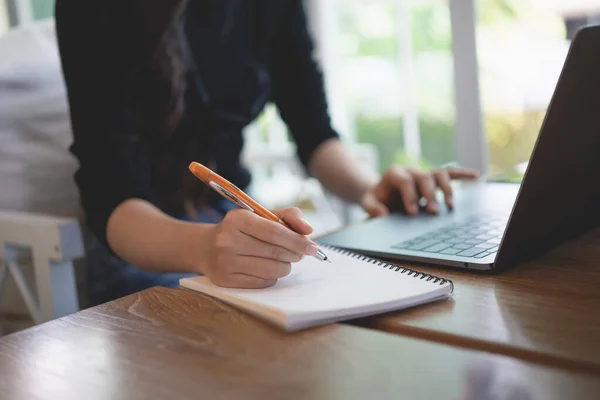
point(239, 198)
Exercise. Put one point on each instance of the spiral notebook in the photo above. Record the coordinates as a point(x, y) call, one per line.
point(317, 293)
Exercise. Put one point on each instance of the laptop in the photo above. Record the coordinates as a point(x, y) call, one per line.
point(498, 225)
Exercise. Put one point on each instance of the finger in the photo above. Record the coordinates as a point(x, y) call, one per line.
point(374, 207)
point(426, 185)
point(250, 246)
point(404, 183)
point(295, 218)
point(261, 267)
point(243, 281)
point(442, 179)
point(275, 233)
point(462, 173)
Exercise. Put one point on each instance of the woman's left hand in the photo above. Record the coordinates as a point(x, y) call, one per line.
point(404, 187)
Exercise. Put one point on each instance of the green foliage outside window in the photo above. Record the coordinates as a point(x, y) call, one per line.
point(42, 9)
point(510, 135)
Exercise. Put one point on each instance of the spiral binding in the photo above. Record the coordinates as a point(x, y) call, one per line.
point(403, 270)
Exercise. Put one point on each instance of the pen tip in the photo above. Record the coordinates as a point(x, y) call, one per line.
point(328, 260)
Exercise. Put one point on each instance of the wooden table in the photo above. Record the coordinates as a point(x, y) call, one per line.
point(174, 344)
point(547, 310)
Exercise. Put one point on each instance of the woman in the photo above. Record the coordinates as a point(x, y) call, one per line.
point(155, 85)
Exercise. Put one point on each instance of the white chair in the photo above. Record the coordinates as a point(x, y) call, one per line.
point(40, 234)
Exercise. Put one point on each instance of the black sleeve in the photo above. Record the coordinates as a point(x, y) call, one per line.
point(96, 66)
point(298, 83)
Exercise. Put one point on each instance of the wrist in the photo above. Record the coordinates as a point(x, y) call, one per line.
point(193, 247)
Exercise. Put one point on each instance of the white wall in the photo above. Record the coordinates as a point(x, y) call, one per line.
point(3, 17)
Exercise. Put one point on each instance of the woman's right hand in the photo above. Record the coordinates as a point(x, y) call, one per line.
point(249, 251)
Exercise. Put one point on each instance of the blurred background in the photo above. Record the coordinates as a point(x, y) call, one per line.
point(390, 74)
point(414, 82)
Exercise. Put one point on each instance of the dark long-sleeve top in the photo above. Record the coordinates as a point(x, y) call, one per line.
point(245, 53)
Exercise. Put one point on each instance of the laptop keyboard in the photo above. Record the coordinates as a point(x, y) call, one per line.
point(478, 237)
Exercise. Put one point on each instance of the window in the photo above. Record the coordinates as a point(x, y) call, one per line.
point(522, 46)
point(391, 67)
point(42, 9)
point(390, 70)
point(23, 11)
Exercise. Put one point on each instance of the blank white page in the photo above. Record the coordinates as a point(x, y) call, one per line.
point(317, 288)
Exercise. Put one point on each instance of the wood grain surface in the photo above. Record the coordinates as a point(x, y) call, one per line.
point(546, 310)
point(175, 344)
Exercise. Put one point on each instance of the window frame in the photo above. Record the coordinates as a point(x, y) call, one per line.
point(470, 139)
point(19, 12)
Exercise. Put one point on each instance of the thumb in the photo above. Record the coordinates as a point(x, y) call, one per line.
point(373, 206)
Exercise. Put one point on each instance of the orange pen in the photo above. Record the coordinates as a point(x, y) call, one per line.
point(232, 193)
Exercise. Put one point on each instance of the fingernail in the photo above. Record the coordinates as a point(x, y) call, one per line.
point(413, 209)
point(306, 222)
point(311, 250)
point(434, 207)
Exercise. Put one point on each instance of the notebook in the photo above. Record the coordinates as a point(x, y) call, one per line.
point(316, 293)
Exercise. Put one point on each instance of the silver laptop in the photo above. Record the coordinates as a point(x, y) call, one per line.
point(497, 225)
